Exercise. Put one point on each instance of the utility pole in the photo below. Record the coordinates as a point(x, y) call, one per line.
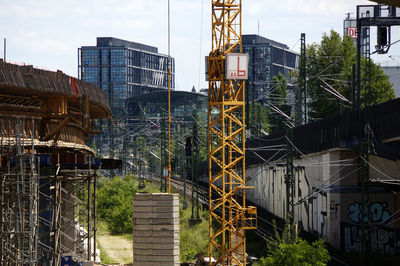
point(164, 169)
point(195, 218)
point(181, 167)
point(289, 179)
point(141, 143)
point(301, 93)
point(365, 214)
point(303, 74)
point(169, 99)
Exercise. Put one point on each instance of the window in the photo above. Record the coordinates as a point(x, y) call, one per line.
point(118, 74)
point(104, 56)
point(90, 57)
point(117, 57)
point(90, 74)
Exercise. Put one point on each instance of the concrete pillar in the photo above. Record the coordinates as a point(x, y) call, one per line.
point(156, 229)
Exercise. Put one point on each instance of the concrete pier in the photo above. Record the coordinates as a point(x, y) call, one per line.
point(156, 229)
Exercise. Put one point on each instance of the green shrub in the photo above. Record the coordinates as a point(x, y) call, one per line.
point(289, 249)
point(115, 204)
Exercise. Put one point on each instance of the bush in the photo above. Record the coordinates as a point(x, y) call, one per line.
point(292, 250)
point(115, 204)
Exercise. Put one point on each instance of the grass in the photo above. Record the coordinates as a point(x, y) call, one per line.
point(104, 258)
point(193, 239)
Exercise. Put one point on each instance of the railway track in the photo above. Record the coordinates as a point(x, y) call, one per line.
point(265, 220)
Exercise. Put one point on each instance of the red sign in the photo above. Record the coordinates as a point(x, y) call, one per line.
point(352, 32)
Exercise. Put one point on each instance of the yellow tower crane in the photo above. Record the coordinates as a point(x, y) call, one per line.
point(227, 68)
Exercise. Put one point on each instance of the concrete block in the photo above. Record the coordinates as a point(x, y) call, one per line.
point(164, 196)
point(142, 221)
point(142, 203)
point(143, 227)
point(165, 233)
point(142, 209)
point(156, 209)
point(169, 246)
point(137, 233)
point(141, 240)
point(143, 258)
point(165, 227)
point(163, 258)
point(171, 252)
point(142, 197)
point(143, 215)
point(143, 246)
point(166, 215)
point(144, 263)
point(171, 240)
point(172, 220)
point(156, 229)
point(165, 203)
point(140, 252)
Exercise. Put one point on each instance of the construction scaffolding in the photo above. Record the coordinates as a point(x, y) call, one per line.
point(45, 200)
point(18, 196)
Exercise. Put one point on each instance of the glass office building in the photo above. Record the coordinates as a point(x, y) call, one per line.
point(266, 59)
point(124, 69)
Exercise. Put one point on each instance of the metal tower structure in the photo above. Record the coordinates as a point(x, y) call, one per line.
point(301, 93)
point(289, 178)
point(163, 153)
point(228, 213)
point(195, 217)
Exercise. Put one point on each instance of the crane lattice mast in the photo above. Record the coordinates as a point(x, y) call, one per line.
point(228, 215)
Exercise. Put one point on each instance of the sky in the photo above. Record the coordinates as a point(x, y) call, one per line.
point(48, 33)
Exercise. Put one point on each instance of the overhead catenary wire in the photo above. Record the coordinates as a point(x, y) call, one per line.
point(379, 171)
point(320, 188)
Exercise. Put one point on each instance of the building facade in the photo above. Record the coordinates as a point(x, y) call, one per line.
point(124, 69)
point(266, 59)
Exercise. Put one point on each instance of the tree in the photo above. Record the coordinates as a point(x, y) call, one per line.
point(329, 65)
point(291, 250)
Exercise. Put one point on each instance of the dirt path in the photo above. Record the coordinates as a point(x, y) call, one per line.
point(118, 248)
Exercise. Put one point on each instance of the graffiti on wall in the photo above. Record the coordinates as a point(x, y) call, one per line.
point(383, 240)
point(378, 211)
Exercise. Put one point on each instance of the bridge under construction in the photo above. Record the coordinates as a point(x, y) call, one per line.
point(48, 182)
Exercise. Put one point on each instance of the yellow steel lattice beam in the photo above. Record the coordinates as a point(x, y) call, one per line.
point(226, 133)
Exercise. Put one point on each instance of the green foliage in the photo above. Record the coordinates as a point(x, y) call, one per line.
point(115, 204)
point(289, 249)
point(299, 253)
point(193, 239)
point(280, 89)
point(331, 60)
point(258, 118)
